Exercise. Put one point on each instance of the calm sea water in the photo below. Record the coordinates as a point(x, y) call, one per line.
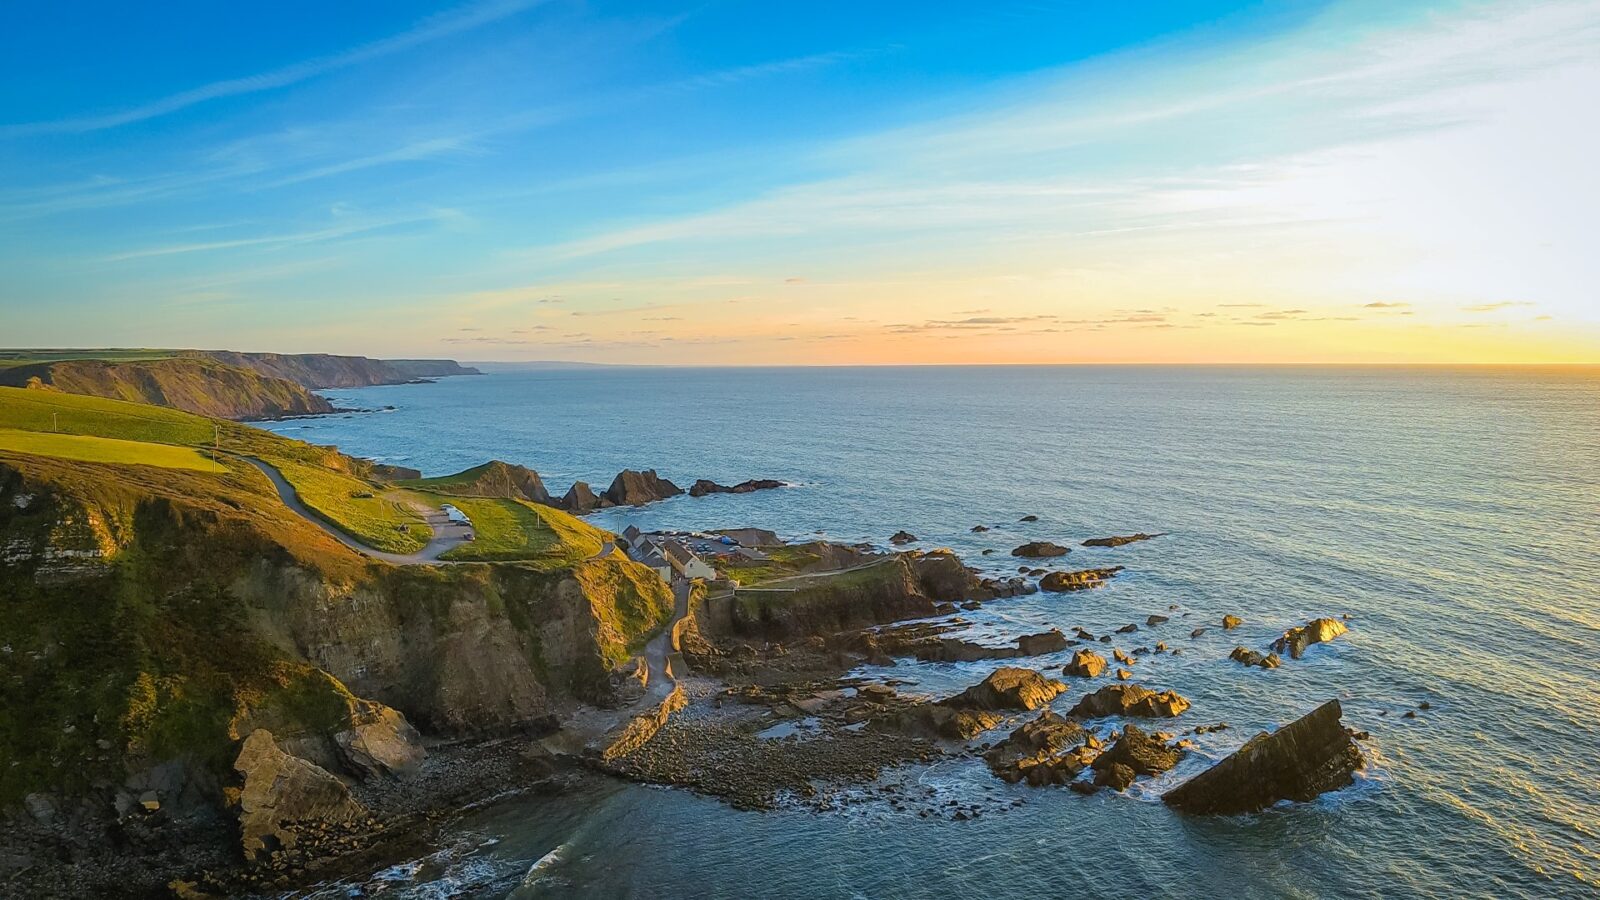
point(1453, 514)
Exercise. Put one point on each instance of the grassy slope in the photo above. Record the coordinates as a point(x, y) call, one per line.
point(106, 450)
point(517, 530)
point(356, 507)
point(11, 358)
point(325, 480)
point(196, 385)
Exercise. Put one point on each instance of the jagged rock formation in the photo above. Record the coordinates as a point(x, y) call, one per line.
point(1295, 641)
point(1129, 700)
point(1310, 756)
point(705, 486)
point(194, 385)
point(631, 488)
point(1135, 753)
point(933, 648)
point(280, 793)
point(1118, 540)
point(380, 741)
point(1252, 658)
point(1041, 751)
point(580, 499)
point(1008, 688)
point(1040, 550)
point(1083, 579)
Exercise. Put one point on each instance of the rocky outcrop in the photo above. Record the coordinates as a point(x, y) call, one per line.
point(1040, 550)
point(926, 644)
point(327, 370)
point(1135, 753)
point(579, 499)
point(902, 537)
point(1008, 688)
point(1085, 664)
point(279, 795)
point(493, 479)
point(1231, 622)
point(1252, 658)
point(192, 385)
point(1119, 540)
point(1083, 579)
point(1042, 751)
point(632, 488)
point(1129, 700)
point(705, 486)
point(1307, 758)
point(1295, 641)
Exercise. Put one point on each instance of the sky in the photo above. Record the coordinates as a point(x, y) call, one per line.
point(735, 183)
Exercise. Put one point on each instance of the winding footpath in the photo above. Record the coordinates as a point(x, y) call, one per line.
point(447, 535)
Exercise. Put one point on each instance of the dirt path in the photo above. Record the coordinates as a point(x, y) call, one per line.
point(446, 534)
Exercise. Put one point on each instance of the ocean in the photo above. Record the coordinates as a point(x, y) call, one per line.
point(1452, 513)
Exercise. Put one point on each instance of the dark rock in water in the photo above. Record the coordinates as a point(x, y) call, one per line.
point(1129, 628)
point(580, 499)
point(1085, 664)
point(1302, 760)
point(1296, 640)
point(1197, 632)
point(1052, 641)
point(631, 488)
point(706, 486)
point(979, 529)
point(1252, 658)
point(1156, 620)
point(1009, 688)
point(1118, 777)
point(1040, 550)
point(1028, 519)
point(1139, 752)
point(1083, 579)
point(1118, 540)
point(988, 551)
point(1231, 622)
point(971, 605)
point(903, 537)
point(1129, 700)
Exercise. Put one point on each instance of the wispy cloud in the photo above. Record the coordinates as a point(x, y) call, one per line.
point(429, 29)
point(1495, 307)
point(276, 240)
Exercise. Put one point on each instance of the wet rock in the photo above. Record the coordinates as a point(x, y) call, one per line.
point(1121, 657)
point(1085, 664)
point(1029, 519)
point(1118, 540)
point(1124, 675)
point(1040, 550)
point(1009, 688)
point(1129, 628)
point(1156, 620)
point(1231, 622)
point(903, 537)
point(1252, 658)
point(1309, 757)
point(1140, 753)
point(1052, 641)
point(1040, 752)
point(1296, 640)
point(876, 693)
point(979, 529)
point(1062, 582)
point(704, 486)
point(1197, 632)
point(1129, 700)
point(1118, 777)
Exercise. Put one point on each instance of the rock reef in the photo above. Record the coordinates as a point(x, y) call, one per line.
point(1304, 759)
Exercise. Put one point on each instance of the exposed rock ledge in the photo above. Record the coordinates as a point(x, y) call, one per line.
point(706, 486)
point(1300, 761)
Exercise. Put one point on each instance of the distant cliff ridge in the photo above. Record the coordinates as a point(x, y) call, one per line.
point(325, 370)
point(194, 385)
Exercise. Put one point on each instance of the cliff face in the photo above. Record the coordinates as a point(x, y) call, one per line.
point(193, 385)
point(326, 370)
point(158, 618)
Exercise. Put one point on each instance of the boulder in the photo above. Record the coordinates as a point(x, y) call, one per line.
point(979, 529)
point(1118, 777)
point(1309, 757)
point(1296, 640)
point(1129, 700)
point(1231, 622)
point(279, 794)
point(1040, 550)
point(1028, 519)
point(1008, 688)
point(1086, 664)
point(1052, 641)
point(380, 741)
point(1252, 658)
point(631, 488)
point(1139, 752)
point(1118, 540)
point(903, 537)
point(1062, 582)
point(1156, 620)
point(1129, 628)
point(1197, 632)
point(580, 498)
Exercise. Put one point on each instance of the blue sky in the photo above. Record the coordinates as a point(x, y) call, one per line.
point(829, 182)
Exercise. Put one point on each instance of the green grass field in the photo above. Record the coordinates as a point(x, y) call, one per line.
point(356, 507)
point(9, 358)
point(106, 450)
point(517, 530)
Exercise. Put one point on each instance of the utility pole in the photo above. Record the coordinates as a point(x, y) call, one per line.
point(55, 421)
point(216, 440)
